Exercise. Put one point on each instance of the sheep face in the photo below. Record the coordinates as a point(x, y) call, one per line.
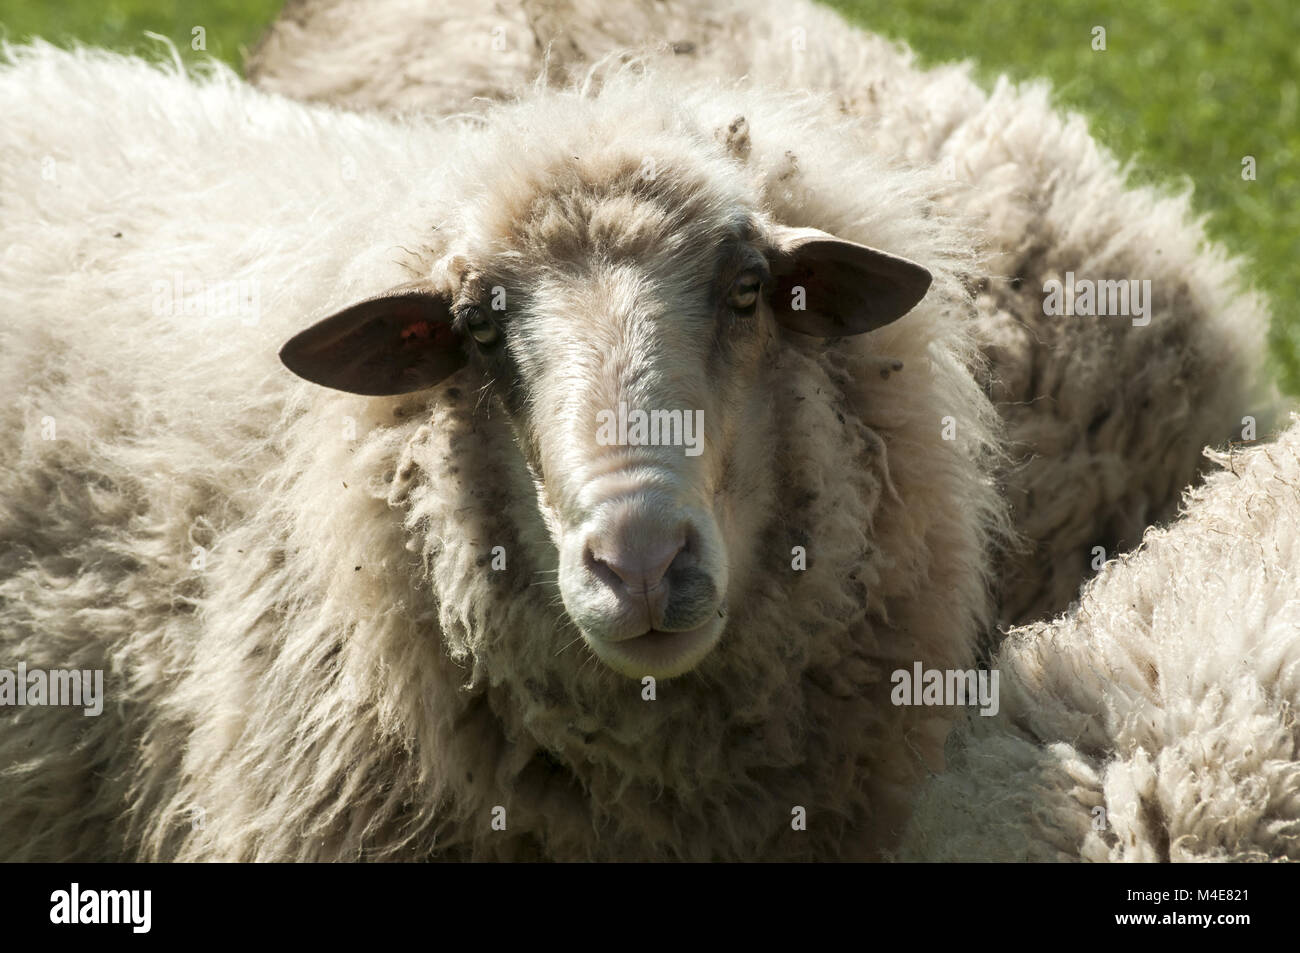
point(641, 395)
point(628, 323)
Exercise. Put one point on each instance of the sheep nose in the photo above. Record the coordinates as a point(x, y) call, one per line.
point(641, 571)
point(640, 563)
point(636, 553)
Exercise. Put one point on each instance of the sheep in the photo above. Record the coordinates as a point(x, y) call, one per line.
point(394, 617)
point(1105, 415)
point(1155, 722)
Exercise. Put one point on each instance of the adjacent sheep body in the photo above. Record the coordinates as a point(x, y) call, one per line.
point(1156, 721)
point(309, 649)
point(1106, 415)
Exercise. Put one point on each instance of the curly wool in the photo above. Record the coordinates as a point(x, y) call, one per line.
point(304, 656)
point(1105, 420)
point(1156, 721)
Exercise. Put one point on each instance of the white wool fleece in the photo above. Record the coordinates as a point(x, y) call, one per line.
point(1156, 721)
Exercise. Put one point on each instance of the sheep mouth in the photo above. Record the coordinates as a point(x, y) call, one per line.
point(658, 652)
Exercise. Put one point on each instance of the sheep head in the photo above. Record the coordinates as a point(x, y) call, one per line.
point(628, 324)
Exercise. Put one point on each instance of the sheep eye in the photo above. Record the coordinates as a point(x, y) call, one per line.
point(481, 328)
point(744, 293)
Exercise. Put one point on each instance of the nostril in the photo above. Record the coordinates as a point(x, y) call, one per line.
point(690, 540)
point(599, 568)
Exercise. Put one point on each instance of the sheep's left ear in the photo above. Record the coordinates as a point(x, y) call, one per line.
point(398, 342)
point(827, 287)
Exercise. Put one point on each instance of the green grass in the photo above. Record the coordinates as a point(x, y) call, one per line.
point(1184, 88)
point(229, 26)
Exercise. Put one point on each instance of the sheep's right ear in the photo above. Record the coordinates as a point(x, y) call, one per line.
point(398, 342)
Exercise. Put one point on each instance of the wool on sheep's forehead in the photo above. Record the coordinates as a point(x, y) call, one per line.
point(623, 204)
point(677, 227)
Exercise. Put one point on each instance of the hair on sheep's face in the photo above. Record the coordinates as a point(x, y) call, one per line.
point(626, 323)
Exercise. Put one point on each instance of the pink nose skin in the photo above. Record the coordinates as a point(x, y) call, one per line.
point(632, 555)
point(639, 566)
